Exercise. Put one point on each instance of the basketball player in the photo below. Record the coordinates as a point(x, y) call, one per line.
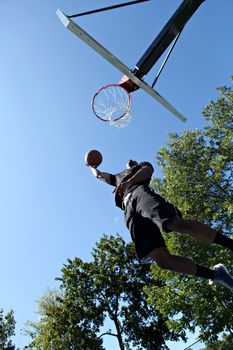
point(147, 213)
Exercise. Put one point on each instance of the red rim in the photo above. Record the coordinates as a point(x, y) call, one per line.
point(105, 87)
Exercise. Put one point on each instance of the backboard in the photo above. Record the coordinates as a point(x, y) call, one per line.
point(133, 79)
point(95, 45)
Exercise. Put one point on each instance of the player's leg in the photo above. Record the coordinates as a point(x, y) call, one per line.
point(150, 245)
point(167, 261)
point(145, 235)
point(143, 218)
point(199, 231)
point(163, 214)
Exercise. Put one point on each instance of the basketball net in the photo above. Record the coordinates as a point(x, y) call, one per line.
point(122, 122)
point(112, 104)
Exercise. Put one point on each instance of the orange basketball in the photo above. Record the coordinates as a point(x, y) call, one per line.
point(93, 158)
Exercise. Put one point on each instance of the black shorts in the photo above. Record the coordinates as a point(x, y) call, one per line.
point(146, 214)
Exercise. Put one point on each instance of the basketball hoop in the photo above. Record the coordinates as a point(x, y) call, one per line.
point(112, 104)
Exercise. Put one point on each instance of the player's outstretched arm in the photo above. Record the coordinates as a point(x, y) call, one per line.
point(106, 177)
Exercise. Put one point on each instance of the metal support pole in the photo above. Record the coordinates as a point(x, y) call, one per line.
point(107, 8)
point(165, 60)
point(166, 36)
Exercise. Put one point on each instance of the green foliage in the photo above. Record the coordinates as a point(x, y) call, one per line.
point(198, 175)
point(110, 286)
point(63, 324)
point(226, 343)
point(7, 330)
point(148, 309)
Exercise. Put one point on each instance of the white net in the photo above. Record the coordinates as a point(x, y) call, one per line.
point(122, 122)
point(112, 104)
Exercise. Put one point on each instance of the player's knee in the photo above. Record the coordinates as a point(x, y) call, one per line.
point(167, 262)
point(175, 224)
point(163, 263)
point(162, 257)
point(181, 225)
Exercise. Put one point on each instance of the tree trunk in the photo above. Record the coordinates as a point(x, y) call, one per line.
point(119, 335)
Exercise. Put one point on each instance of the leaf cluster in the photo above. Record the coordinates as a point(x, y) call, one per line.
point(198, 174)
point(226, 343)
point(108, 287)
point(7, 330)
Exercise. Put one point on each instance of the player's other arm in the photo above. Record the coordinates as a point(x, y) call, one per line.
point(141, 175)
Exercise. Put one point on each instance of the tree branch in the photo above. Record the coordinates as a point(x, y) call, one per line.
point(217, 184)
point(108, 333)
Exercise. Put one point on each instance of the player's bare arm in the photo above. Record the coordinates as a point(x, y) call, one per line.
point(101, 175)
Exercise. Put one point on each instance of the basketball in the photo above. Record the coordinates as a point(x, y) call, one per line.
point(93, 158)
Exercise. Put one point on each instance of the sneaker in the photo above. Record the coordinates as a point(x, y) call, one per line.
point(222, 277)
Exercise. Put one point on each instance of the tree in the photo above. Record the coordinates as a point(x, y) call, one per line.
point(198, 174)
point(7, 330)
point(110, 286)
point(226, 343)
point(63, 324)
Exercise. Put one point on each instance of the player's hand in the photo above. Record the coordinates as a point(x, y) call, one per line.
point(95, 171)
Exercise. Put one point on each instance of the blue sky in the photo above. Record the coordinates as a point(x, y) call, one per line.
point(51, 207)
